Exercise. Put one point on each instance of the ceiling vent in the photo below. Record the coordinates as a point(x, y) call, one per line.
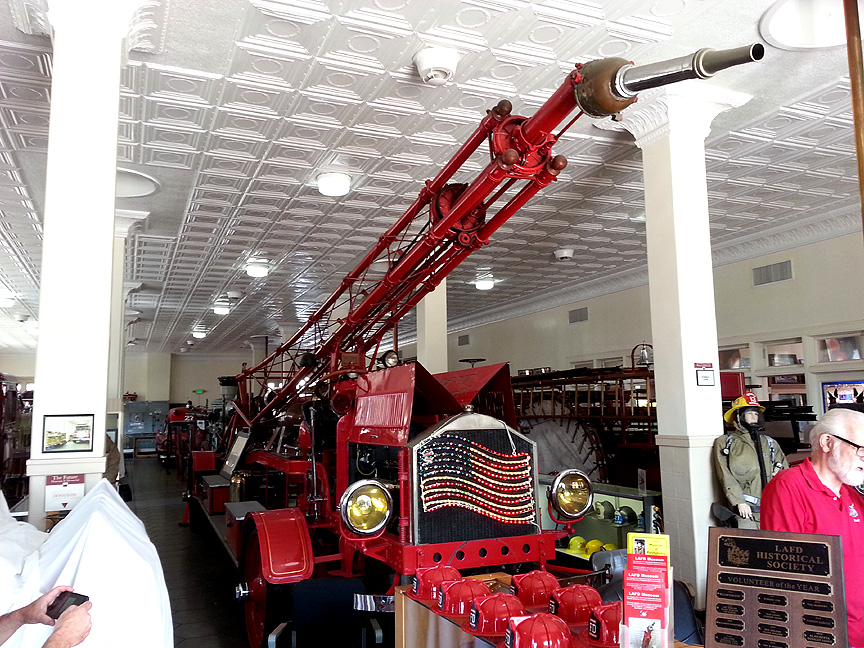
point(436, 65)
point(772, 273)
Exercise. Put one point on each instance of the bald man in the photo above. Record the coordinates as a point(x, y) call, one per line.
point(819, 496)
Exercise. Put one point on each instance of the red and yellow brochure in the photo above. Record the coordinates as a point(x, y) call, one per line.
point(647, 621)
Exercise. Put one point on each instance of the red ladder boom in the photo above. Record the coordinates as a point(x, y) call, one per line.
point(423, 247)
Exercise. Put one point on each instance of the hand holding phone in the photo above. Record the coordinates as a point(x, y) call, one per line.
point(63, 601)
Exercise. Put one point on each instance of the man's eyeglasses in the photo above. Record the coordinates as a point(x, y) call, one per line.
point(859, 449)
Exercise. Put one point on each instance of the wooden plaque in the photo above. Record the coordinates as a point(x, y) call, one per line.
point(768, 589)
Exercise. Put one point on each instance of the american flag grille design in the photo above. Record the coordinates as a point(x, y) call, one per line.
point(458, 472)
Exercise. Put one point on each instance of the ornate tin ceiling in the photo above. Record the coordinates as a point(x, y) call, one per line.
point(235, 106)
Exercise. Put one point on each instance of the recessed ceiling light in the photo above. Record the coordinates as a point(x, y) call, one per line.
point(199, 335)
point(484, 284)
point(221, 309)
point(804, 24)
point(257, 268)
point(334, 184)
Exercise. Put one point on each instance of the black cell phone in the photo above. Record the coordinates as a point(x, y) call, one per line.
point(63, 601)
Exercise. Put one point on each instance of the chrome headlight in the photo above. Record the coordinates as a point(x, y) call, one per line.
point(389, 358)
point(571, 494)
point(366, 507)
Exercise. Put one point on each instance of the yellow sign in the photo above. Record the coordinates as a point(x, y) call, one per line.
point(651, 544)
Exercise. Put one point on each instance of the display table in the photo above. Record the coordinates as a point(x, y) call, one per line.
point(417, 626)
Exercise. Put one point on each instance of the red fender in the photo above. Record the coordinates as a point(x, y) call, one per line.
point(286, 547)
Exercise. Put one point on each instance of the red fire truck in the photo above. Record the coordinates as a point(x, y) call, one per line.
point(185, 429)
point(356, 472)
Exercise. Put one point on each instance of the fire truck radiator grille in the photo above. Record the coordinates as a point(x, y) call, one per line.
point(475, 485)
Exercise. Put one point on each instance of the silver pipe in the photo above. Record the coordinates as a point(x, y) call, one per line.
point(630, 79)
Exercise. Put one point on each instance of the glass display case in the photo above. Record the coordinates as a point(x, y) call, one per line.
point(618, 510)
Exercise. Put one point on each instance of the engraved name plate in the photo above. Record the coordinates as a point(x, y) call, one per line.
point(793, 582)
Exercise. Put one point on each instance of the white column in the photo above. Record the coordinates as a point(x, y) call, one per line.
point(671, 133)
point(262, 346)
point(78, 244)
point(432, 330)
point(120, 291)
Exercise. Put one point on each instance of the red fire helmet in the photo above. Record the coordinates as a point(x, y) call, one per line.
point(535, 588)
point(541, 630)
point(602, 630)
point(574, 603)
point(454, 599)
point(428, 581)
point(489, 615)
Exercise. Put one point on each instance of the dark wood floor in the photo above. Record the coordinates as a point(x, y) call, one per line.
point(199, 575)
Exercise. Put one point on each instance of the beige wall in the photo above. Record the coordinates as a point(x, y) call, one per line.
point(820, 299)
point(824, 291)
point(193, 372)
point(148, 375)
point(616, 323)
point(23, 367)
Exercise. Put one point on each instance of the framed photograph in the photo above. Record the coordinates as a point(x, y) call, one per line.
point(67, 433)
point(145, 446)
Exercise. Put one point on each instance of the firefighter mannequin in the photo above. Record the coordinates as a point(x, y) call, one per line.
point(743, 472)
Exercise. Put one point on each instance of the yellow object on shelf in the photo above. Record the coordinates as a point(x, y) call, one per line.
point(577, 543)
point(593, 546)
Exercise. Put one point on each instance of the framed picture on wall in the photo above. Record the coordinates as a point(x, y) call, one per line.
point(67, 433)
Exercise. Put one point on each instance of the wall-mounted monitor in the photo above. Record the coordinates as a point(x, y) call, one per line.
point(842, 393)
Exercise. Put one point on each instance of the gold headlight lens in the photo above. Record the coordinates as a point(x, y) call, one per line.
point(366, 507)
point(572, 494)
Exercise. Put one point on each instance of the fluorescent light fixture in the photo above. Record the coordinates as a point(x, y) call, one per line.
point(334, 184)
point(484, 284)
point(257, 268)
point(199, 335)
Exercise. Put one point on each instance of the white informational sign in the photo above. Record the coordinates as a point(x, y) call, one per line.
point(63, 492)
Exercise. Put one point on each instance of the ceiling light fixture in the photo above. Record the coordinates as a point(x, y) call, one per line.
point(804, 24)
point(436, 65)
point(334, 184)
point(6, 302)
point(487, 283)
point(225, 302)
point(134, 184)
point(199, 335)
point(257, 267)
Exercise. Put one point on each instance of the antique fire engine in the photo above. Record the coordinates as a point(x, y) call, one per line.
point(367, 470)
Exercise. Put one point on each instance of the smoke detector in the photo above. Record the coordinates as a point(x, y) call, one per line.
point(436, 65)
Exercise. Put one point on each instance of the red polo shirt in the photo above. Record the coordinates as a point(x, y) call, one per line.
point(796, 500)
